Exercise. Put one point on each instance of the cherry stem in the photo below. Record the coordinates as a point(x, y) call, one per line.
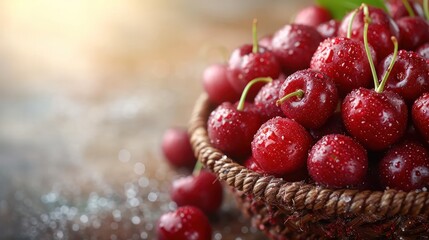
point(409, 8)
point(197, 168)
point(426, 8)
point(389, 69)
point(255, 48)
point(240, 106)
point(352, 18)
point(298, 93)
point(367, 21)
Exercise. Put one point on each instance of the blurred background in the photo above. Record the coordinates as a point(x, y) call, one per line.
point(87, 89)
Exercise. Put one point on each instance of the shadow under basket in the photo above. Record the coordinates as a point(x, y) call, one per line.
point(298, 210)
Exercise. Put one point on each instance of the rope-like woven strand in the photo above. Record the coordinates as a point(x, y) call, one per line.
point(296, 196)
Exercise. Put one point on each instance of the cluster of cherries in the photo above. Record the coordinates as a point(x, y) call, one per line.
point(348, 106)
point(343, 104)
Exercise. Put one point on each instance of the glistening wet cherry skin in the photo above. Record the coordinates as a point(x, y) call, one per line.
point(183, 224)
point(344, 60)
point(294, 45)
point(409, 76)
point(337, 161)
point(281, 146)
point(202, 190)
point(420, 115)
point(376, 120)
point(381, 29)
point(405, 167)
point(249, 62)
point(316, 101)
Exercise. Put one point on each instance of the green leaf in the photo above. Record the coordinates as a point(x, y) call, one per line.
point(339, 8)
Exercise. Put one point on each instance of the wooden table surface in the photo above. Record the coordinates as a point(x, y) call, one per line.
point(87, 89)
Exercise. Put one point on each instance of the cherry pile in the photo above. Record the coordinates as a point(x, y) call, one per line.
point(342, 104)
point(338, 103)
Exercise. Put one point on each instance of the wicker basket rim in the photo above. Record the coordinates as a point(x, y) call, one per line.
point(300, 196)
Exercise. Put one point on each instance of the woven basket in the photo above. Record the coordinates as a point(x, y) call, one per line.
point(298, 210)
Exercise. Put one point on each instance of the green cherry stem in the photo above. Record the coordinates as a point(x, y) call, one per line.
point(389, 69)
point(255, 48)
point(298, 93)
point(367, 21)
point(352, 18)
point(197, 168)
point(409, 8)
point(240, 106)
point(426, 8)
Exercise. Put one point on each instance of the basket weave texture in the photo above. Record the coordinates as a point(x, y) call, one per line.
point(298, 210)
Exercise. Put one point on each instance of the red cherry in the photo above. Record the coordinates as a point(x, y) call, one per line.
point(217, 86)
point(281, 146)
point(265, 100)
point(381, 28)
point(420, 115)
point(294, 45)
point(329, 29)
point(245, 65)
point(414, 32)
point(312, 16)
point(315, 100)
point(249, 62)
point(337, 161)
point(231, 131)
point(397, 9)
point(203, 191)
point(183, 224)
point(177, 148)
point(231, 127)
point(405, 167)
point(409, 76)
point(376, 120)
point(344, 60)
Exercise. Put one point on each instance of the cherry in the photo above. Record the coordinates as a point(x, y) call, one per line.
point(337, 161)
point(312, 16)
point(249, 62)
point(266, 99)
point(398, 9)
point(231, 128)
point(344, 60)
point(334, 125)
point(280, 146)
point(202, 190)
point(177, 148)
point(381, 29)
point(414, 32)
point(308, 97)
point(405, 167)
point(294, 46)
point(376, 118)
point(328, 29)
point(423, 50)
point(409, 76)
point(420, 115)
point(183, 224)
point(217, 86)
